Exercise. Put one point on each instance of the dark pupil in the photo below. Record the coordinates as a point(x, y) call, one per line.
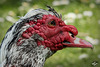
point(53, 22)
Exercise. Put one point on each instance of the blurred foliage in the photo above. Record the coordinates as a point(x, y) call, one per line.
point(67, 57)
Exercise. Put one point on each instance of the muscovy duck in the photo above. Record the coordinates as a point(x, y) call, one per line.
point(37, 36)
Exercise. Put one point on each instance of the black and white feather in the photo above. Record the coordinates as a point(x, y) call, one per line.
point(28, 54)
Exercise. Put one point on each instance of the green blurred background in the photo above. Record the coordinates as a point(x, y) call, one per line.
point(83, 14)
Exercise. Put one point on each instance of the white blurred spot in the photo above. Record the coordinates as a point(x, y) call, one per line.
point(10, 19)
point(70, 17)
point(25, 4)
point(98, 21)
point(2, 19)
point(79, 16)
point(97, 1)
point(60, 2)
point(82, 56)
point(94, 63)
point(92, 5)
point(21, 8)
point(93, 41)
point(99, 56)
point(28, 0)
point(88, 13)
point(11, 13)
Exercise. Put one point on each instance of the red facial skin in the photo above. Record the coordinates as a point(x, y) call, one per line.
point(54, 31)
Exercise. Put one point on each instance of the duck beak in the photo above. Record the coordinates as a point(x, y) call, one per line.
point(77, 42)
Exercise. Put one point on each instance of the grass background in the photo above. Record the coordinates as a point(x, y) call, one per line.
point(68, 57)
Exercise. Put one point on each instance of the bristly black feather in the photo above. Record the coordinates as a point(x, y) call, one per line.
point(53, 10)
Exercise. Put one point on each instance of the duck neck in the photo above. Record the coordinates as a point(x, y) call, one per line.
point(33, 58)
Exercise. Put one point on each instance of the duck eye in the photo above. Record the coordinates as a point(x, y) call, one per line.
point(52, 23)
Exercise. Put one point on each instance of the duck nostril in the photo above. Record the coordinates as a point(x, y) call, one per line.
point(71, 34)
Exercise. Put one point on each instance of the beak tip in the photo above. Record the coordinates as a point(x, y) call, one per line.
point(92, 47)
